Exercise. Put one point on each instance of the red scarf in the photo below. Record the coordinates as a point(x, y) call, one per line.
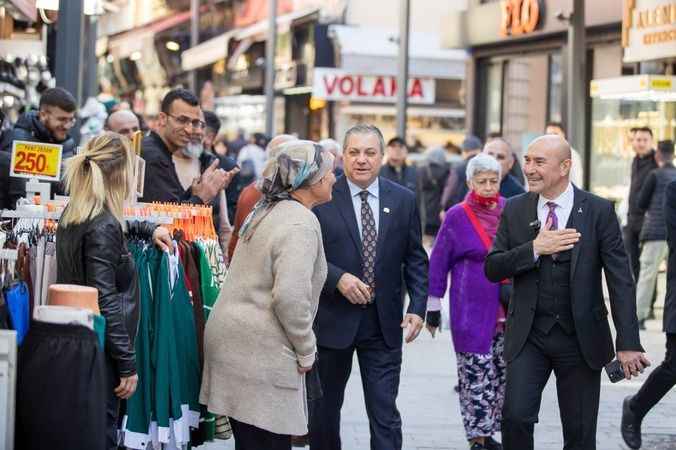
point(487, 210)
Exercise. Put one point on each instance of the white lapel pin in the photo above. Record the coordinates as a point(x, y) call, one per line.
point(386, 210)
point(579, 211)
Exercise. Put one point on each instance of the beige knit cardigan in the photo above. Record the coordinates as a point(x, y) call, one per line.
point(261, 326)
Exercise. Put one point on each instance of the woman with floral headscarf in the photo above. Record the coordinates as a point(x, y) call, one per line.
point(259, 341)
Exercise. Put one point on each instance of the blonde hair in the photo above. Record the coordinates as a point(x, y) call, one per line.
point(100, 177)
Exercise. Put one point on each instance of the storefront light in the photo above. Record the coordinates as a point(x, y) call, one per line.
point(317, 103)
point(52, 5)
point(641, 88)
point(173, 46)
point(642, 96)
point(90, 7)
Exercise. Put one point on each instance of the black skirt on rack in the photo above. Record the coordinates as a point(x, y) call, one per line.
point(61, 393)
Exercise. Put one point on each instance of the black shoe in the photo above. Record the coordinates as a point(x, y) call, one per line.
point(631, 426)
point(477, 446)
point(492, 444)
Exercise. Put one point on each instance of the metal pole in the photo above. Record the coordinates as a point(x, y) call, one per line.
point(270, 47)
point(90, 86)
point(194, 37)
point(577, 77)
point(69, 47)
point(402, 74)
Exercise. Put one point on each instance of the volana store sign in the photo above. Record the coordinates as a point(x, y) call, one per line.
point(649, 30)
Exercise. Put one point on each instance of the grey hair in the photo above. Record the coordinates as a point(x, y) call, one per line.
point(364, 128)
point(483, 162)
point(331, 145)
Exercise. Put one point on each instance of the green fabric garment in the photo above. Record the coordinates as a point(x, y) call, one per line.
point(166, 402)
point(165, 361)
point(100, 330)
point(185, 337)
point(140, 405)
point(208, 286)
point(210, 293)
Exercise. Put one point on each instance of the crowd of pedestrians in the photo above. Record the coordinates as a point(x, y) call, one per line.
point(327, 244)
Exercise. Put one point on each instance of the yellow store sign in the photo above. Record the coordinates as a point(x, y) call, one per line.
point(649, 30)
point(36, 160)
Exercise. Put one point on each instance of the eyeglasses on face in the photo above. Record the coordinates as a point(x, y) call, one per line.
point(185, 121)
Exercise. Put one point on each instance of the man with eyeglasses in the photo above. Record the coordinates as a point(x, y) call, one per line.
point(50, 124)
point(179, 121)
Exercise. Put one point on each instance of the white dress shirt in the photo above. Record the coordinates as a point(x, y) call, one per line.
point(373, 201)
point(564, 206)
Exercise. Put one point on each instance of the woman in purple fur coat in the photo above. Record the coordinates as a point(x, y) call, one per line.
point(477, 316)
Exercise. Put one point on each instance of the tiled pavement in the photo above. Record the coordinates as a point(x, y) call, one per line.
point(431, 417)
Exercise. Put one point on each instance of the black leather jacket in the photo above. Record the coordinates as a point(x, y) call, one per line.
point(94, 253)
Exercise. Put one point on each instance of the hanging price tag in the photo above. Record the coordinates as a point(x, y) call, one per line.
point(36, 160)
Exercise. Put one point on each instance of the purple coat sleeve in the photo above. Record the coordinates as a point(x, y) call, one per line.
point(443, 258)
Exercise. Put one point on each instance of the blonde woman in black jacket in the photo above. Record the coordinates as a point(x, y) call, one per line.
point(92, 251)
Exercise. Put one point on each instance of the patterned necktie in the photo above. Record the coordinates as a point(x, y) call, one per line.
point(551, 215)
point(369, 237)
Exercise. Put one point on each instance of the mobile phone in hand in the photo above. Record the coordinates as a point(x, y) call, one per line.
point(615, 371)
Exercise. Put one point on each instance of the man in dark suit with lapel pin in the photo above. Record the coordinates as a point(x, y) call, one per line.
point(371, 232)
point(554, 242)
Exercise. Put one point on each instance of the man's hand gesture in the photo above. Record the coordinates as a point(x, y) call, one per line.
point(212, 181)
point(549, 241)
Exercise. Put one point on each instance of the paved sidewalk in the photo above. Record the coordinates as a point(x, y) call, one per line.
point(431, 416)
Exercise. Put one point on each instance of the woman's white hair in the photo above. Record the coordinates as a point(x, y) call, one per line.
point(483, 162)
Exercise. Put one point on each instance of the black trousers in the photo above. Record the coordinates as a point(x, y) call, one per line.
point(578, 388)
point(61, 389)
point(249, 437)
point(660, 381)
point(380, 368)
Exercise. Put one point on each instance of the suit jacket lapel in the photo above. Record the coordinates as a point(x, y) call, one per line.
point(346, 208)
point(386, 204)
point(532, 216)
point(578, 221)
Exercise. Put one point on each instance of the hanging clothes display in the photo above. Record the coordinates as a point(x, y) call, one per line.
point(177, 293)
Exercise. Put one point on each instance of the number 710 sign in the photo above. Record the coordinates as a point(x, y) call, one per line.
point(36, 160)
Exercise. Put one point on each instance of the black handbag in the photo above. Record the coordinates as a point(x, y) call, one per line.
point(313, 384)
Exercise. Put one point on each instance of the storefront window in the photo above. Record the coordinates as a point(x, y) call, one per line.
point(494, 98)
point(611, 146)
point(525, 108)
point(555, 88)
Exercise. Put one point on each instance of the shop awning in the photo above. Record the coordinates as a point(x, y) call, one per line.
point(207, 52)
point(128, 42)
point(655, 88)
point(258, 30)
point(360, 46)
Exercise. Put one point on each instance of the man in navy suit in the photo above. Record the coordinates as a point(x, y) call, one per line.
point(371, 233)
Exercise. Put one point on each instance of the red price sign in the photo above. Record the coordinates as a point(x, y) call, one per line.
point(36, 160)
